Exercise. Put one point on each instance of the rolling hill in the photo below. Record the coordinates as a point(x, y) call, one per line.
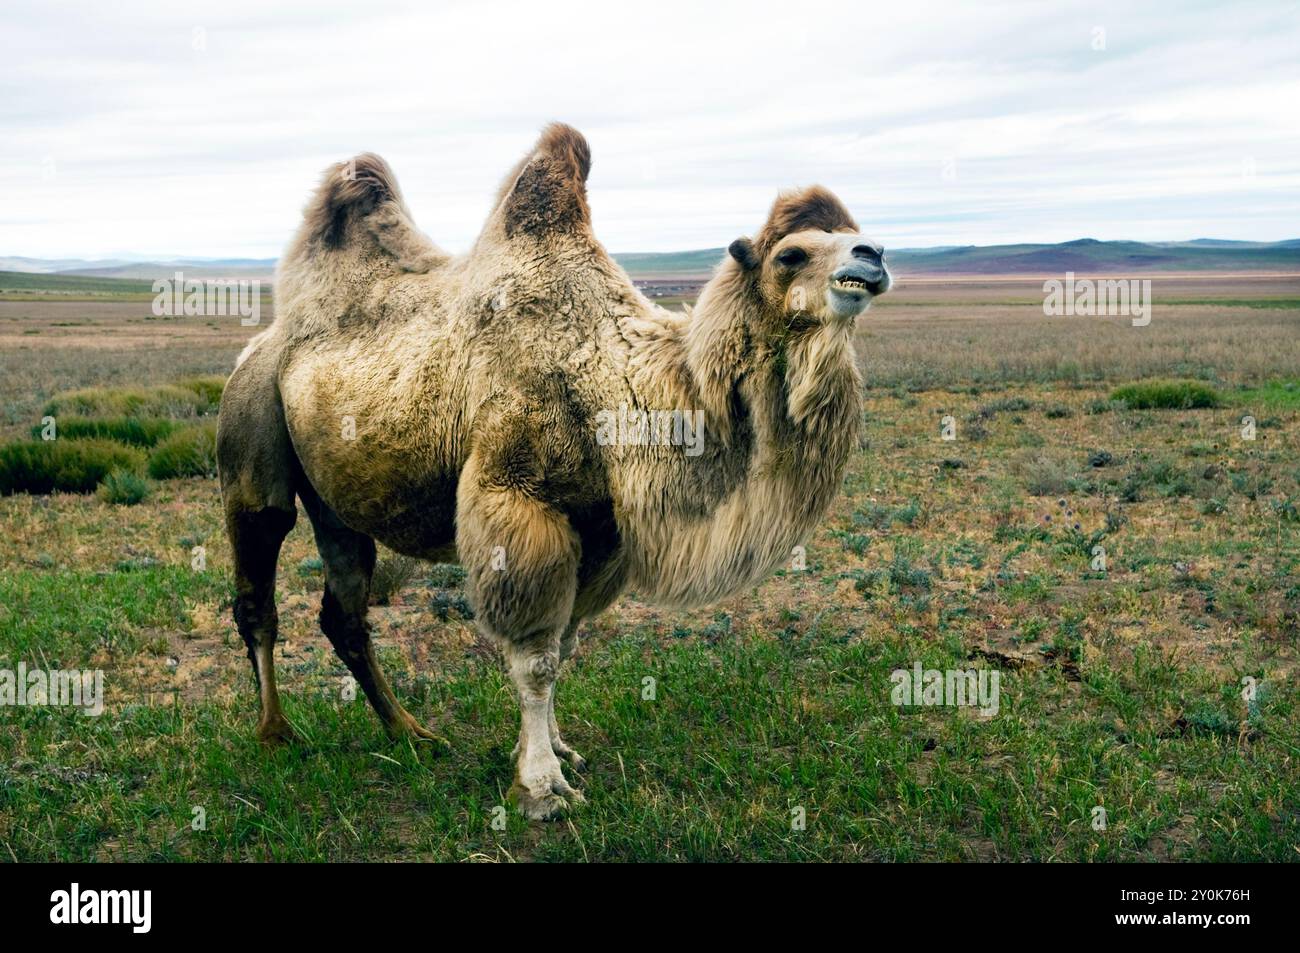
point(1084, 256)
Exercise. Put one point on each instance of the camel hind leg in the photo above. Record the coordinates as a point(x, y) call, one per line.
point(255, 539)
point(349, 559)
point(257, 468)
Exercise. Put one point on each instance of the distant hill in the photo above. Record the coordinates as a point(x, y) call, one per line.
point(44, 283)
point(1083, 256)
point(202, 268)
point(129, 268)
point(1088, 256)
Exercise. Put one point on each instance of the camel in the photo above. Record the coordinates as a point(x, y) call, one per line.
point(524, 410)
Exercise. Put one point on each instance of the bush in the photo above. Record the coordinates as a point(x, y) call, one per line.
point(69, 466)
point(209, 388)
point(165, 400)
point(446, 576)
point(186, 453)
point(136, 431)
point(124, 487)
point(1167, 395)
point(1162, 477)
point(392, 573)
point(1045, 475)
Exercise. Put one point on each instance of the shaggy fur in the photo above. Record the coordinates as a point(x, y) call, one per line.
point(450, 408)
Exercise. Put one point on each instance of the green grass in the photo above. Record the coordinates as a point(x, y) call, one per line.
point(1120, 688)
point(135, 431)
point(740, 734)
point(162, 400)
point(124, 488)
point(67, 617)
point(70, 466)
point(1279, 394)
point(186, 453)
point(64, 284)
point(1167, 395)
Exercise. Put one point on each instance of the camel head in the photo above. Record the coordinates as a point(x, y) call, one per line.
point(810, 262)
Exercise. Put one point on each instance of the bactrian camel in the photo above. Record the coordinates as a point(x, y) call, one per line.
point(458, 408)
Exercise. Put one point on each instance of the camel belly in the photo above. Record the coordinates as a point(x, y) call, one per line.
point(381, 467)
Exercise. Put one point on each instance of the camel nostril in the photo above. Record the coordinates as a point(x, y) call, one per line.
point(867, 253)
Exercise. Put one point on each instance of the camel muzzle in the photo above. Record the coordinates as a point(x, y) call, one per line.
point(859, 280)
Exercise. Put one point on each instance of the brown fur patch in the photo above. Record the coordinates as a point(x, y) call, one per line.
point(362, 183)
point(815, 207)
point(550, 190)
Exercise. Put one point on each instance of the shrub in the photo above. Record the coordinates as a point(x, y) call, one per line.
point(1162, 477)
point(186, 453)
point(124, 487)
point(392, 572)
point(1167, 395)
point(165, 400)
point(446, 576)
point(1003, 405)
point(1045, 475)
point(136, 431)
point(70, 466)
point(209, 387)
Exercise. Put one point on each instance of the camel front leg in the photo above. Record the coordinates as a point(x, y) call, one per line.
point(521, 560)
point(540, 789)
point(568, 643)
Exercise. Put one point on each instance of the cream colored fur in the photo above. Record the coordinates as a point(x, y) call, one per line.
point(447, 406)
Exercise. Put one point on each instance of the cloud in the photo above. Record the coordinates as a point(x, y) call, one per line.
point(200, 129)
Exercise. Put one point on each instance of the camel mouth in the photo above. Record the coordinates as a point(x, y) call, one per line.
point(850, 283)
point(858, 281)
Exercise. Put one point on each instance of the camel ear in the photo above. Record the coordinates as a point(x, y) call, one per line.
point(742, 249)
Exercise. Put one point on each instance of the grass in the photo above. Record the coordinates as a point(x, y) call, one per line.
point(187, 453)
point(162, 400)
point(69, 466)
point(1277, 394)
point(1167, 395)
point(709, 770)
point(1120, 686)
point(135, 431)
point(124, 488)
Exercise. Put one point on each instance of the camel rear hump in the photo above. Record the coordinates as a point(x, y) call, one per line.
point(357, 214)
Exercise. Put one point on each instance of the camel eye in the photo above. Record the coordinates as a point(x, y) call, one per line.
point(792, 257)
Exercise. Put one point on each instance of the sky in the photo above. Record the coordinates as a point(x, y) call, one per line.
point(186, 130)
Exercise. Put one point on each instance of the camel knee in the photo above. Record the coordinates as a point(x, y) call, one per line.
point(534, 666)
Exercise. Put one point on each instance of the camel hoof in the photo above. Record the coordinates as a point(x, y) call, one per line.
point(421, 735)
point(576, 761)
point(552, 805)
point(274, 732)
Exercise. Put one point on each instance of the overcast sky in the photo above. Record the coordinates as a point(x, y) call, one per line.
point(198, 130)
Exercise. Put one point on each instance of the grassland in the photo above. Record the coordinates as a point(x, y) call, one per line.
point(1121, 687)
